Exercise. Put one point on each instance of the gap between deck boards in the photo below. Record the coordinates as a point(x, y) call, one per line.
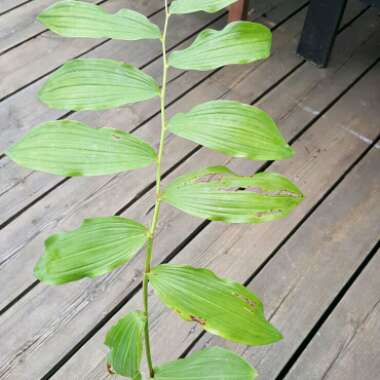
point(356, 318)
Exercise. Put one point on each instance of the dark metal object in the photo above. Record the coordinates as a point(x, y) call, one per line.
point(320, 29)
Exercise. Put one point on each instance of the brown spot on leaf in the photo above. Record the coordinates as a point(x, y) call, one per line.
point(198, 320)
point(261, 214)
point(246, 300)
point(272, 193)
point(116, 137)
point(210, 177)
point(109, 369)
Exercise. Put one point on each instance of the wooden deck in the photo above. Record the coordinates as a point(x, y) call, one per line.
point(317, 271)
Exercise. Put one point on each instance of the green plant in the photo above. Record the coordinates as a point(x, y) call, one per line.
point(99, 245)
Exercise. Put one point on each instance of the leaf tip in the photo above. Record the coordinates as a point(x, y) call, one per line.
point(10, 152)
point(289, 152)
point(40, 271)
point(274, 335)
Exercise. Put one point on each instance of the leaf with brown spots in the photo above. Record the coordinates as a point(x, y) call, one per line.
point(218, 194)
point(220, 306)
point(125, 341)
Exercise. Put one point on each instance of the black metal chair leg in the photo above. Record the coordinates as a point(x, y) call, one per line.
point(320, 28)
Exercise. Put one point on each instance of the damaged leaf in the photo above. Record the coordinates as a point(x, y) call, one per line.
point(209, 364)
point(232, 128)
point(216, 193)
point(125, 341)
point(220, 306)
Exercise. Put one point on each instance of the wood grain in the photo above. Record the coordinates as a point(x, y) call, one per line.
point(235, 251)
point(20, 24)
point(347, 345)
point(8, 5)
point(305, 275)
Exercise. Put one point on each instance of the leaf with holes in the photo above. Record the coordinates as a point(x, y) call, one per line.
point(70, 148)
point(72, 18)
point(216, 193)
point(221, 307)
point(239, 42)
point(97, 247)
point(125, 341)
point(190, 6)
point(232, 128)
point(209, 364)
point(97, 84)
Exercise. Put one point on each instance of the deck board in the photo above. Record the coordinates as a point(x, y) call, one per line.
point(9, 5)
point(234, 251)
point(318, 112)
point(347, 346)
point(20, 25)
point(307, 273)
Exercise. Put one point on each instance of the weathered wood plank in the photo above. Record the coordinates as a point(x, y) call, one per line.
point(84, 196)
point(236, 251)
point(8, 5)
point(308, 272)
point(21, 24)
point(347, 346)
point(92, 295)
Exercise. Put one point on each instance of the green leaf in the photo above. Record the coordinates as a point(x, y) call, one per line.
point(239, 42)
point(233, 128)
point(124, 340)
point(190, 6)
point(209, 364)
point(97, 247)
point(221, 307)
point(72, 18)
point(97, 84)
point(70, 148)
point(216, 193)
